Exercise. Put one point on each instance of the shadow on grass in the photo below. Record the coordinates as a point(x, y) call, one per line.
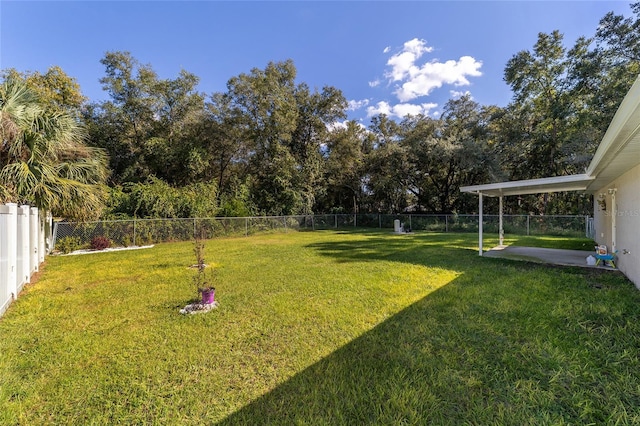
point(500, 344)
point(426, 249)
point(566, 243)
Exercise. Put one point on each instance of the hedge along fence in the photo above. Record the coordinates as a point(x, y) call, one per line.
point(70, 236)
point(23, 245)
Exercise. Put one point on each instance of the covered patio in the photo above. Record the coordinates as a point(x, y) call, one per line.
point(612, 177)
point(522, 187)
point(532, 186)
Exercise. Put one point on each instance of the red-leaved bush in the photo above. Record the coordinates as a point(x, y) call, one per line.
point(100, 243)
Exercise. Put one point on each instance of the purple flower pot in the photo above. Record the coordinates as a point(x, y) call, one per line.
point(208, 296)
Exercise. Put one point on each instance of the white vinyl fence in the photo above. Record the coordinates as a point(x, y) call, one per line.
point(22, 249)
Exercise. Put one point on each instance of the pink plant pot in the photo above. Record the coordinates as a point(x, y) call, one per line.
point(208, 296)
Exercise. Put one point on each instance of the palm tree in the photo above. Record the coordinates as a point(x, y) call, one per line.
point(43, 159)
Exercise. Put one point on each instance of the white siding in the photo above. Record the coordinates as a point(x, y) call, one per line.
point(627, 210)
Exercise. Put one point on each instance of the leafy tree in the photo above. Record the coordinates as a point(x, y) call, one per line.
point(619, 37)
point(563, 103)
point(386, 167)
point(122, 125)
point(146, 124)
point(236, 203)
point(43, 160)
point(269, 145)
point(387, 185)
point(56, 90)
point(446, 153)
point(605, 73)
point(345, 160)
point(282, 127)
point(550, 126)
point(179, 111)
point(316, 111)
point(264, 106)
point(224, 146)
point(155, 198)
point(420, 163)
point(543, 104)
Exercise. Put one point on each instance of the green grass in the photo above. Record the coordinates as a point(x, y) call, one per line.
point(550, 242)
point(323, 328)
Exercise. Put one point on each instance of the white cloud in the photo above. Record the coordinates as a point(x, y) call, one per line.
point(455, 94)
point(354, 105)
point(433, 75)
point(342, 125)
point(387, 49)
point(400, 110)
point(402, 63)
point(374, 83)
point(415, 79)
point(337, 125)
point(380, 108)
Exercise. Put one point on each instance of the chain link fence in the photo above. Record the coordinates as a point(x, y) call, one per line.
point(69, 236)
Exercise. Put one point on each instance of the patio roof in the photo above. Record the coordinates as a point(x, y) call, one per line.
point(532, 186)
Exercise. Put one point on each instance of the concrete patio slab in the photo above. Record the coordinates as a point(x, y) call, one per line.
point(544, 255)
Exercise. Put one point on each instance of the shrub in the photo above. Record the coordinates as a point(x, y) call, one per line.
point(127, 241)
point(100, 243)
point(68, 244)
point(155, 198)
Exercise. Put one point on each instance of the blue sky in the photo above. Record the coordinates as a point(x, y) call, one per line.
point(393, 57)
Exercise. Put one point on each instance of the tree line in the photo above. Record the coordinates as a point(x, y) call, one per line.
point(269, 145)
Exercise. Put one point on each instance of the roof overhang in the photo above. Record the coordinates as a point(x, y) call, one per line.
point(619, 150)
point(532, 186)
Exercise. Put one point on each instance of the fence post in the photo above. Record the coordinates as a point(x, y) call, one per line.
point(355, 219)
point(313, 222)
point(410, 225)
point(134, 231)
point(284, 220)
point(379, 221)
point(446, 223)
point(336, 220)
point(586, 226)
point(23, 275)
point(195, 231)
point(8, 256)
point(54, 238)
point(41, 238)
point(246, 226)
point(528, 217)
point(33, 240)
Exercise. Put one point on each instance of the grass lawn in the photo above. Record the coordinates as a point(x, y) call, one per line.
point(323, 327)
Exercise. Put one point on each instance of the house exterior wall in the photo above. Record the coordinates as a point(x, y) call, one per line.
point(627, 220)
point(601, 217)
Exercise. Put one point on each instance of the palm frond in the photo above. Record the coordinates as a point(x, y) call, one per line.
point(44, 161)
